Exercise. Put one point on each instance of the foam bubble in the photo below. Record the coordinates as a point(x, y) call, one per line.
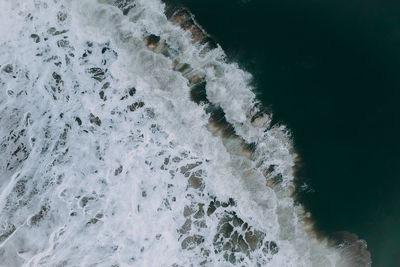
point(107, 161)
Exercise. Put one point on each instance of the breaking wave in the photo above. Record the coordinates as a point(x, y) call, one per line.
point(127, 138)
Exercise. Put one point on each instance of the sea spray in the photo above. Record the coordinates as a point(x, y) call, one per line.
point(108, 161)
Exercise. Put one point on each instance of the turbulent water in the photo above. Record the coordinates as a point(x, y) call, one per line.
point(128, 139)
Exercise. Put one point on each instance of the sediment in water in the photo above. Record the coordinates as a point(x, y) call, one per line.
point(353, 251)
point(120, 155)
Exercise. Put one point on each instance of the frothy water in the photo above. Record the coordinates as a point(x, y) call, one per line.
point(128, 139)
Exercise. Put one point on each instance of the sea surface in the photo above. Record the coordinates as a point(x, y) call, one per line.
point(264, 134)
point(329, 70)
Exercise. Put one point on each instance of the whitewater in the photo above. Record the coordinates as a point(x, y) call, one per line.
point(127, 138)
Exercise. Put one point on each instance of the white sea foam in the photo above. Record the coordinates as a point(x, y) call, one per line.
point(105, 160)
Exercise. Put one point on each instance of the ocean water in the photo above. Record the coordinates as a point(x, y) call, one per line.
point(131, 138)
point(329, 71)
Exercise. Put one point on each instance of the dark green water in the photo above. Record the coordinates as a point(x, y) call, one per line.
point(330, 71)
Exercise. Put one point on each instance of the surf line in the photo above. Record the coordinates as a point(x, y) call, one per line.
point(279, 179)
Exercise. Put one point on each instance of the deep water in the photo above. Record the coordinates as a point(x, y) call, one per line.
point(329, 70)
point(127, 138)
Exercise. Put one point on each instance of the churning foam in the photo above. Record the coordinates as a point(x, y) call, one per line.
point(107, 161)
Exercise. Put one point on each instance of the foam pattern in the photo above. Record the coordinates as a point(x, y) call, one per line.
point(107, 160)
